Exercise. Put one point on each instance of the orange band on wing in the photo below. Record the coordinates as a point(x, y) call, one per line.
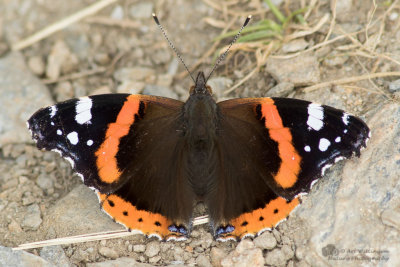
point(125, 213)
point(106, 154)
point(263, 218)
point(287, 174)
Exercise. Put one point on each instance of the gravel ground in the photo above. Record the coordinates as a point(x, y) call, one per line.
point(350, 217)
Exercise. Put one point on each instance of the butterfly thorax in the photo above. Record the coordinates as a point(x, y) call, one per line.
point(200, 115)
point(200, 124)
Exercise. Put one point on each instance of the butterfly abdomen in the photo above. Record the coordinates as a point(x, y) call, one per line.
point(200, 124)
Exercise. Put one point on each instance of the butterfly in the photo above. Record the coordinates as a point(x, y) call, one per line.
point(150, 159)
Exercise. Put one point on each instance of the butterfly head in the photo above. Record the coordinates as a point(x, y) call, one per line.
point(201, 86)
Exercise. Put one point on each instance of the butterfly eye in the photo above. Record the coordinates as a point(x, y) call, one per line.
point(209, 89)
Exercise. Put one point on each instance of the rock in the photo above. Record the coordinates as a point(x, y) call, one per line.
point(20, 258)
point(300, 71)
point(347, 209)
point(129, 87)
point(101, 90)
point(178, 253)
point(393, 16)
point(244, 255)
point(78, 213)
point(219, 85)
point(152, 249)
point(55, 255)
point(164, 80)
point(28, 198)
point(391, 217)
point(335, 59)
point(120, 262)
point(14, 227)
point(102, 58)
point(343, 9)
point(45, 182)
point(159, 91)
point(173, 66)
point(139, 248)
point(154, 259)
point(60, 60)
point(161, 56)
point(276, 257)
point(32, 219)
point(265, 241)
point(117, 13)
point(141, 10)
point(288, 252)
point(294, 46)
point(282, 89)
point(108, 252)
point(64, 91)
point(21, 95)
point(300, 252)
point(203, 261)
point(134, 74)
point(394, 86)
point(216, 255)
point(36, 65)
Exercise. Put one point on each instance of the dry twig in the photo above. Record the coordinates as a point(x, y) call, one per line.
point(92, 237)
point(61, 24)
point(351, 80)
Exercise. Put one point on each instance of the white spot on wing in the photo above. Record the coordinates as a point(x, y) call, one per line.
point(313, 183)
point(89, 142)
point(315, 116)
point(345, 118)
point(173, 238)
point(53, 111)
point(327, 166)
point(57, 151)
point(80, 176)
point(307, 148)
point(70, 161)
point(324, 144)
point(83, 110)
point(59, 132)
point(339, 159)
point(338, 139)
point(73, 138)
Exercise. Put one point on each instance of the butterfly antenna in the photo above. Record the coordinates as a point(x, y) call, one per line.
point(229, 47)
point(172, 45)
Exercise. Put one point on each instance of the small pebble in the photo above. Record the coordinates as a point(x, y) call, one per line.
point(276, 258)
point(159, 91)
point(152, 249)
point(37, 65)
point(142, 10)
point(14, 227)
point(203, 261)
point(139, 248)
point(154, 259)
point(394, 86)
point(117, 13)
point(108, 252)
point(32, 219)
point(295, 46)
point(265, 241)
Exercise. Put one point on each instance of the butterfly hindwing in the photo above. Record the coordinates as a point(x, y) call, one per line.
point(142, 177)
point(281, 147)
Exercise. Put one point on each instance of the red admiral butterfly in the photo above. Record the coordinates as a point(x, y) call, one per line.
point(151, 159)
